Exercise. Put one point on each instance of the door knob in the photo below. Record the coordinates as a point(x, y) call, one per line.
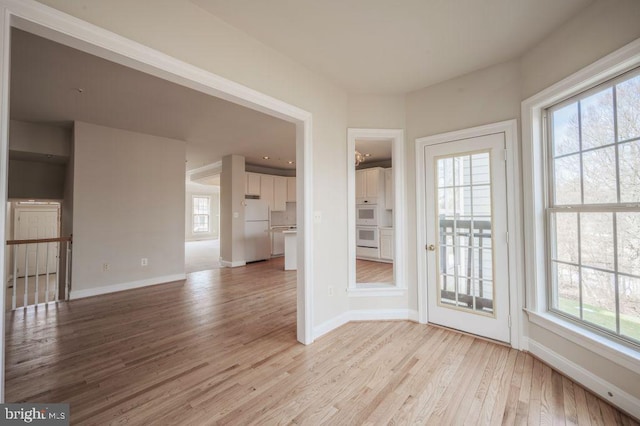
point(431, 247)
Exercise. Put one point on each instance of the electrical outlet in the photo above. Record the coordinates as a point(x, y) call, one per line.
point(330, 291)
point(144, 262)
point(105, 267)
point(317, 217)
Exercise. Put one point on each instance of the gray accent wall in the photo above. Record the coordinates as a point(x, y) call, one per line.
point(128, 203)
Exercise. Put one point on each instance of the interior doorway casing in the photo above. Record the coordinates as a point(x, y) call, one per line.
point(509, 128)
point(44, 21)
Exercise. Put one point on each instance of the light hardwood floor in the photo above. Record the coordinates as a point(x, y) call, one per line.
point(368, 271)
point(220, 348)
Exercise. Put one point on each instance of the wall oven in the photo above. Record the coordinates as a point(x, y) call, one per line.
point(367, 236)
point(367, 215)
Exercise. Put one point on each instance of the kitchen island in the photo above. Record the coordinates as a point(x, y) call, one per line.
point(290, 249)
point(290, 246)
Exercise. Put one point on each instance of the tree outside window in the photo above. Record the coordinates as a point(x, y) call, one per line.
point(593, 208)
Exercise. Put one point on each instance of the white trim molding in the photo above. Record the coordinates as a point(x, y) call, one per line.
point(396, 136)
point(607, 391)
point(365, 315)
point(47, 22)
point(113, 288)
point(612, 65)
point(514, 224)
point(622, 355)
point(533, 163)
point(227, 264)
point(376, 291)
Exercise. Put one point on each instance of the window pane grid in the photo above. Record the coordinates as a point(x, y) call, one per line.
point(465, 249)
point(200, 216)
point(594, 208)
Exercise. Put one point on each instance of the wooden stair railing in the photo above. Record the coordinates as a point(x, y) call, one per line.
point(35, 272)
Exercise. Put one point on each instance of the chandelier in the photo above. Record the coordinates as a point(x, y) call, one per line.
point(359, 158)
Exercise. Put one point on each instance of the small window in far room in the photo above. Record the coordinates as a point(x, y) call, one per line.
point(201, 213)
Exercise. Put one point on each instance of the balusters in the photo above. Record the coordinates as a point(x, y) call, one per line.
point(42, 248)
point(15, 277)
point(46, 296)
point(26, 275)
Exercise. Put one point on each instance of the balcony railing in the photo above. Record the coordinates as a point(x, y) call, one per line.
point(464, 236)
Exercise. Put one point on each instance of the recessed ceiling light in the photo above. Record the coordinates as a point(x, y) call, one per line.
point(367, 155)
point(266, 157)
point(79, 89)
point(290, 162)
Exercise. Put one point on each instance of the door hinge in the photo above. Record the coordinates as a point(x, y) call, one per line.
point(506, 154)
point(509, 320)
point(507, 237)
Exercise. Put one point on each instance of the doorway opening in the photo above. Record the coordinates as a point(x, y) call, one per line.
point(466, 263)
point(34, 272)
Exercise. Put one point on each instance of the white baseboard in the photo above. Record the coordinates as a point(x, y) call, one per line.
point(413, 315)
point(364, 315)
point(331, 325)
point(96, 291)
point(227, 264)
point(618, 397)
point(379, 314)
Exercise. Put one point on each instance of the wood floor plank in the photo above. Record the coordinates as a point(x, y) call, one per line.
point(569, 401)
point(220, 347)
point(522, 410)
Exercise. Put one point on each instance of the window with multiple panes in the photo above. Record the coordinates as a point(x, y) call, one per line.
point(593, 208)
point(201, 213)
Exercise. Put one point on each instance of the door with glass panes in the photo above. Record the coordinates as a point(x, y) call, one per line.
point(467, 258)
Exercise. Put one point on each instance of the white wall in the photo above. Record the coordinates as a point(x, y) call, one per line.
point(495, 94)
point(486, 96)
point(183, 30)
point(377, 112)
point(213, 192)
point(232, 187)
point(599, 30)
point(128, 203)
point(187, 32)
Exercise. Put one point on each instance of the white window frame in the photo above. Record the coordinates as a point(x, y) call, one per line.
point(194, 214)
point(534, 190)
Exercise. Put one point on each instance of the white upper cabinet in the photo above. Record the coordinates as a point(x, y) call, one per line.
point(370, 186)
point(279, 193)
point(252, 182)
point(291, 189)
point(361, 184)
point(388, 189)
point(266, 189)
point(275, 190)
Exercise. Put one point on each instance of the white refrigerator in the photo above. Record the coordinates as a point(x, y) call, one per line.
point(257, 241)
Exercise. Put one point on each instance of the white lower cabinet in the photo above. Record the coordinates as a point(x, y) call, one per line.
point(277, 244)
point(386, 243)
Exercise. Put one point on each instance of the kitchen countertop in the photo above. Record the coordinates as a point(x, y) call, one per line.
point(284, 229)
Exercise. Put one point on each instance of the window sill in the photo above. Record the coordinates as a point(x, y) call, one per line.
point(376, 290)
point(618, 353)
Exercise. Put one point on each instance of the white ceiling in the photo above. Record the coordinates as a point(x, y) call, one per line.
point(372, 46)
point(396, 46)
point(45, 76)
point(375, 149)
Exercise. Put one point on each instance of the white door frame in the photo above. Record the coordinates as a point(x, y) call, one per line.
point(510, 130)
point(55, 25)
